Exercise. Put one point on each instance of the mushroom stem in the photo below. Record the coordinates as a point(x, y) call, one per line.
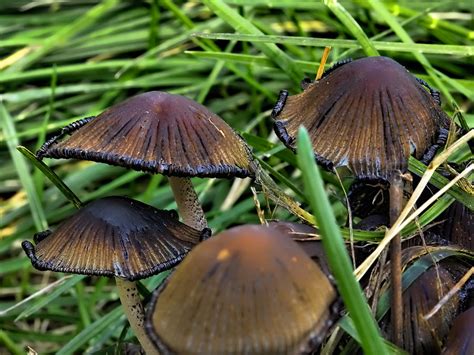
point(132, 305)
point(188, 203)
point(396, 203)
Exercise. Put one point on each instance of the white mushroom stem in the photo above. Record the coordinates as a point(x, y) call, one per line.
point(132, 305)
point(187, 200)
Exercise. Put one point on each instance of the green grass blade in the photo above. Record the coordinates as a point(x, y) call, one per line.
point(242, 25)
point(62, 36)
point(335, 250)
point(347, 20)
point(9, 344)
point(347, 325)
point(46, 299)
point(344, 43)
point(51, 175)
point(8, 127)
point(91, 331)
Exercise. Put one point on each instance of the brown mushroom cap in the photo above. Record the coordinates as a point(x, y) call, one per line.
point(114, 236)
point(248, 290)
point(159, 133)
point(420, 335)
point(460, 339)
point(369, 115)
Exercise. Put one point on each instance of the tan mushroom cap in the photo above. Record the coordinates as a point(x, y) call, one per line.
point(157, 132)
point(248, 290)
point(114, 236)
point(369, 115)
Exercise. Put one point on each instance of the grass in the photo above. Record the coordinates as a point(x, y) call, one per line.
point(60, 61)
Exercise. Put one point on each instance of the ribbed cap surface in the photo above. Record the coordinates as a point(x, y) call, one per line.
point(368, 115)
point(421, 336)
point(248, 290)
point(114, 236)
point(159, 133)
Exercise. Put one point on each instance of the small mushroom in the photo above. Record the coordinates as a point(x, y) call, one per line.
point(368, 115)
point(117, 237)
point(247, 290)
point(161, 133)
point(424, 329)
point(422, 336)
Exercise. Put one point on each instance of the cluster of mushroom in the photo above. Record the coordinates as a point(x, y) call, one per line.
point(116, 236)
point(250, 289)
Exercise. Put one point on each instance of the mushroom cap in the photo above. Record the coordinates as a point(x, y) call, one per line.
point(248, 290)
point(157, 132)
point(460, 340)
point(420, 335)
point(114, 236)
point(369, 115)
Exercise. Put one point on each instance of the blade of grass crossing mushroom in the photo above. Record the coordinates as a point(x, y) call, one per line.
point(334, 247)
point(188, 203)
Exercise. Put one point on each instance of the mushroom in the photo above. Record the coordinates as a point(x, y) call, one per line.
point(157, 132)
point(368, 115)
point(117, 237)
point(460, 340)
point(422, 335)
point(247, 290)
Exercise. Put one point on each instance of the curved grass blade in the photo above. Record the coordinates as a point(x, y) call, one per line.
point(43, 300)
point(51, 175)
